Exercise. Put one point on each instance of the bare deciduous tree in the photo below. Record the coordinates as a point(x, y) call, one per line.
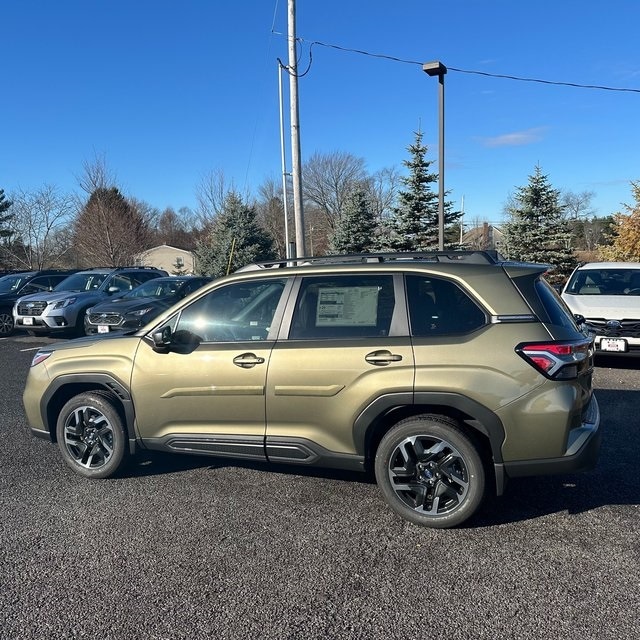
point(96, 175)
point(210, 194)
point(577, 205)
point(38, 238)
point(382, 189)
point(328, 179)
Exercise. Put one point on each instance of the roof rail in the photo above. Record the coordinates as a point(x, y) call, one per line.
point(473, 257)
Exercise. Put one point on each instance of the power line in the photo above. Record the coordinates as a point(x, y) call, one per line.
point(468, 71)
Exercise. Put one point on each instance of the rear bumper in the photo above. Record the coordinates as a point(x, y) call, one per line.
point(583, 447)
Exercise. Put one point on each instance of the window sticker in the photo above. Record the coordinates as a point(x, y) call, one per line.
point(347, 307)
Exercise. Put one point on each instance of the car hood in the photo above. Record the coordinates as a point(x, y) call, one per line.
point(94, 350)
point(126, 305)
point(56, 296)
point(613, 307)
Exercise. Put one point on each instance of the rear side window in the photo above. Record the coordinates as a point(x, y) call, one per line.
point(440, 307)
point(553, 304)
point(342, 307)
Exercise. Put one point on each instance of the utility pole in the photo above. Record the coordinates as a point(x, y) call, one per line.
point(296, 163)
point(285, 195)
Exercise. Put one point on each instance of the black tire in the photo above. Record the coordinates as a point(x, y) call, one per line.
point(91, 436)
point(6, 323)
point(78, 331)
point(430, 472)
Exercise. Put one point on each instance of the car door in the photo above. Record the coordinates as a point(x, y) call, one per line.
point(344, 346)
point(210, 396)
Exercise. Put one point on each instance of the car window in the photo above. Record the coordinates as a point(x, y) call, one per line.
point(38, 284)
point(82, 281)
point(236, 312)
point(11, 283)
point(440, 307)
point(341, 307)
point(189, 286)
point(558, 311)
point(605, 281)
point(138, 277)
point(122, 281)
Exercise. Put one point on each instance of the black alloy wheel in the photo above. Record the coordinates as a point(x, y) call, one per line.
point(91, 436)
point(430, 471)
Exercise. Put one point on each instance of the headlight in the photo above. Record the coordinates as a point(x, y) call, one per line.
point(40, 356)
point(64, 303)
point(139, 312)
point(89, 311)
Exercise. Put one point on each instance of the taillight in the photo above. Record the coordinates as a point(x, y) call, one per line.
point(557, 360)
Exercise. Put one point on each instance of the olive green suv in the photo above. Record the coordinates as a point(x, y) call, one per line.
point(444, 373)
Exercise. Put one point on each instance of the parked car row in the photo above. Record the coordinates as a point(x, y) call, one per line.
point(57, 302)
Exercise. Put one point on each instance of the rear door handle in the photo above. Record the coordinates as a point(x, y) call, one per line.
point(382, 358)
point(248, 360)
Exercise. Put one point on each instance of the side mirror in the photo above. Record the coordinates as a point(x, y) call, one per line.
point(112, 290)
point(165, 340)
point(162, 340)
point(579, 318)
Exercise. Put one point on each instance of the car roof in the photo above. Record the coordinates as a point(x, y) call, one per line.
point(610, 265)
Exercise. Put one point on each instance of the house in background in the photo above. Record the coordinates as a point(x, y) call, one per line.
point(172, 259)
point(484, 236)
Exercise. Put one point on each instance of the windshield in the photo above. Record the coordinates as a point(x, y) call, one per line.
point(12, 282)
point(605, 282)
point(82, 282)
point(156, 288)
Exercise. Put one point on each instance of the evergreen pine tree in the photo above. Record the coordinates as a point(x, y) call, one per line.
point(414, 223)
point(538, 230)
point(234, 240)
point(355, 229)
point(6, 218)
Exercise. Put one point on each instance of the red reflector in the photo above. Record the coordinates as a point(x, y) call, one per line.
point(545, 364)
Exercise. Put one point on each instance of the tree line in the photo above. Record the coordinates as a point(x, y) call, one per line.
point(347, 210)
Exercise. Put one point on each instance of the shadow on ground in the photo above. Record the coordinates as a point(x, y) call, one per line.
point(613, 482)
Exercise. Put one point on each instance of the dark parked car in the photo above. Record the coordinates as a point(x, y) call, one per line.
point(136, 308)
point(21, 283)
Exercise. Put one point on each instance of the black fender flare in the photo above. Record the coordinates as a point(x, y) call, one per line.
point(480, 417)
point(101, 381)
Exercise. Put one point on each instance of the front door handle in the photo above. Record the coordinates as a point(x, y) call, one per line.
point(248, 360)
point(382, 358)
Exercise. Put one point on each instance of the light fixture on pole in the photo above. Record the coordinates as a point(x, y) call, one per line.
point(438, 69)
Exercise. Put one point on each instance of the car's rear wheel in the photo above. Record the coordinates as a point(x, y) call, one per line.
point(91, 436)
point(430, 471)
point(6, 324)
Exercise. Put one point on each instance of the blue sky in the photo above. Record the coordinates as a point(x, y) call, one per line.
point(168, 92)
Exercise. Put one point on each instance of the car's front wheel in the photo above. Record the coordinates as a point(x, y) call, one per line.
point(430, 471)
point(6, 324)
point(91, 436)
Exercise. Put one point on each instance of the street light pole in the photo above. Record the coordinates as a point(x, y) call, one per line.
point(438, 69)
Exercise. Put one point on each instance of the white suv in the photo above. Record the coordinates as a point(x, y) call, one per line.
point(607, 295)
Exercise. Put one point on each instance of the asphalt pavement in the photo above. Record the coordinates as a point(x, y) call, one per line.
point(190, 547)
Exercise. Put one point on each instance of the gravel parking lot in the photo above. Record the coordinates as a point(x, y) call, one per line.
point(185, 547)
